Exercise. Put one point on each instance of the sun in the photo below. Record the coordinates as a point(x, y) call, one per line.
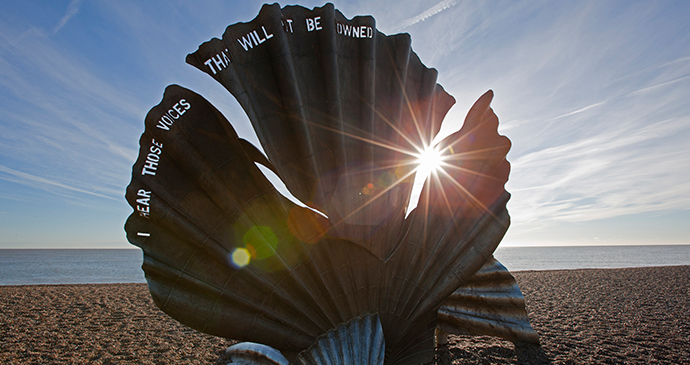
point(429, 160)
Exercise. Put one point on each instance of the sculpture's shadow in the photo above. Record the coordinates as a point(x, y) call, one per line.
point(531, 354)
point(491, 354)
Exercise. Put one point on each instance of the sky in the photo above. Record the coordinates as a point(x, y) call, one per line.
point(594, 95)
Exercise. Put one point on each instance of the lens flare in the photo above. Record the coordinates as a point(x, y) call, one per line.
point(241, 257)
point(262, 240)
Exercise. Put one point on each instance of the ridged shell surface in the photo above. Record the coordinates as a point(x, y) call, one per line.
point(490, 303)
point(250, 353)
point(335, 111)
point(357, 342)
point(226, 254)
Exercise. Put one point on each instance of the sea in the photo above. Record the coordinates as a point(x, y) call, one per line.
point(95, 266)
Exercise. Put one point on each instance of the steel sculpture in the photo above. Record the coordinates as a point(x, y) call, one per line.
point(344, 114)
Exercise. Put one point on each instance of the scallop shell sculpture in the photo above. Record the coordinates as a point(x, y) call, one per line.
point(489, 303)
point(343, 113)
point(359, 341)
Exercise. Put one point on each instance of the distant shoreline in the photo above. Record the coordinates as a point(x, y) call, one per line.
point(86, 266)
point(630, 315)
point(134, 248)
point(518, 272)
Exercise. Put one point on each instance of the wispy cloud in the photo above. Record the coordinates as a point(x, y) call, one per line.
point(666, 83)
point(72, 10)
point(616, 173)
point(581, 110)
point(599, 129)
point(594, 95)
point(64, 128)
point(443, 5)
point(44, 183)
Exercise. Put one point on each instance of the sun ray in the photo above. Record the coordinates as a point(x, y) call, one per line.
point(454, 167)
point(465, 155)
point(410, 162)
point(363, 139)
point(473, 198)
point(420, 134)
point(427, 194)
point(430, 161)
point(437, 178)
point(374, 198)
point(398, 131)
point(461, 138)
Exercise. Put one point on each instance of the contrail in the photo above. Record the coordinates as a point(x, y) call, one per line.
point(41, 180)
point(443, 5)
point(580, 110)
point(72, 10)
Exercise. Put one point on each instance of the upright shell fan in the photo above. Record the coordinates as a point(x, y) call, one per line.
point(344, 114)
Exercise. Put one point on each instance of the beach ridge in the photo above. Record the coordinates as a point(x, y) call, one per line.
point(630, 315)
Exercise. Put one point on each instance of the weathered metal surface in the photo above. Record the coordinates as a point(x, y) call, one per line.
point(360, 341)
point(357, 342)
point(490, 303)
point(342, 120)
point(324, 105)
point(250, 353)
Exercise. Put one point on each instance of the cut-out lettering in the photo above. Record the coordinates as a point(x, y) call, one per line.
point(253, 39)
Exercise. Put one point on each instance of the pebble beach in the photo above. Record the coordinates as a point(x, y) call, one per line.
point(631, 316)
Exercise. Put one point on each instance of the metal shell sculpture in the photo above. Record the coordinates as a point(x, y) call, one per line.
point(344, 114)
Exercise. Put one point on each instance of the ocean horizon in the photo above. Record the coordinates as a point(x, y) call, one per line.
point(100, 266)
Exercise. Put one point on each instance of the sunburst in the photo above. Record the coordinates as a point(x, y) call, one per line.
point(429, 161)
point(431, 164)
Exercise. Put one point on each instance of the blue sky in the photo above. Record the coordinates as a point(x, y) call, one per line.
point(595, 97)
